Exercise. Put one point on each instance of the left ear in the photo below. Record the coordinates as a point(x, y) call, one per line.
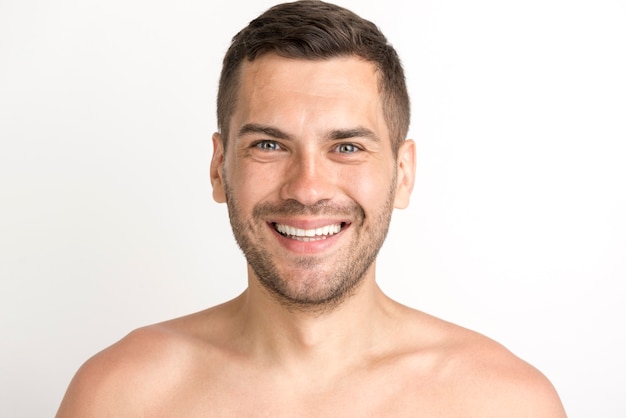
point(405, 174)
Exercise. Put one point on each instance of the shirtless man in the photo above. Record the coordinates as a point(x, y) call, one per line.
point(311, 159)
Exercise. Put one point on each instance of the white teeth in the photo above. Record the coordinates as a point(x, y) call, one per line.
point(320, 232)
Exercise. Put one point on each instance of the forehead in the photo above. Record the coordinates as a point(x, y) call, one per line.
point(278, 90)
point(320, 74)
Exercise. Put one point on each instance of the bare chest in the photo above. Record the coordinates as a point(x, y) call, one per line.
point(253, 393)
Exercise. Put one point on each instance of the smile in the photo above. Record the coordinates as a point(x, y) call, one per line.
point(307, 235)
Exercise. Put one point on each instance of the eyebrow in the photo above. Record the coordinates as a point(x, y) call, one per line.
point(256, 128)
point(358, 132)
point(334, 135)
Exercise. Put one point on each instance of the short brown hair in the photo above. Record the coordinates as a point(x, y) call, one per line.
point(313, 29)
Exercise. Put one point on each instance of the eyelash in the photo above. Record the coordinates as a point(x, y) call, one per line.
point(264, 145)
point(355, 147)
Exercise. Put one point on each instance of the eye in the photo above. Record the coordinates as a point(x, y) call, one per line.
point(347, 148)
point(267, 145)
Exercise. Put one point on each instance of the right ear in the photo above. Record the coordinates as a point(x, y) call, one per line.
point(217, 169)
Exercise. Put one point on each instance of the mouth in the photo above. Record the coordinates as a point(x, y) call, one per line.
point(308, 235)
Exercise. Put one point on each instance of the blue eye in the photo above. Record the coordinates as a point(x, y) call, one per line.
point(267, 145)
point(347, 148)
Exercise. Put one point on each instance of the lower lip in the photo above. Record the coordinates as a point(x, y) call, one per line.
point(308, 247)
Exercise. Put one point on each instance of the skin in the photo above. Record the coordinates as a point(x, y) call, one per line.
point(309, 349)
point(332, 156)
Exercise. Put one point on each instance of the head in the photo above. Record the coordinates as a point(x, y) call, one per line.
point(315, 30)
point(317, 105)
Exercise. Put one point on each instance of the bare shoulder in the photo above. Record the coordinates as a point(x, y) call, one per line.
point(484, 377)
point(501, 384)
point(143, 370)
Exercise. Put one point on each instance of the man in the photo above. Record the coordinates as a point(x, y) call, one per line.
point(311, 159)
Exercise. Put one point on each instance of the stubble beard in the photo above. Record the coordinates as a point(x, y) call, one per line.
point(311, 283)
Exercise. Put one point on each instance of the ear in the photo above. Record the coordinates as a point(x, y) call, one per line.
point(405, 174)
point(217, 169)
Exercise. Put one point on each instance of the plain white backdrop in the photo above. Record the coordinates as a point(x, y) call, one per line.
point(516, 229)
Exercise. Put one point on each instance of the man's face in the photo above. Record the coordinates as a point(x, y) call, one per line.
point(309, 176)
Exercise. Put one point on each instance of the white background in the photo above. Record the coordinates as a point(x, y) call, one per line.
point(516, 229)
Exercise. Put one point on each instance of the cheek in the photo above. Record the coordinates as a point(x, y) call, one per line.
point(253, 183)
point(368, 187)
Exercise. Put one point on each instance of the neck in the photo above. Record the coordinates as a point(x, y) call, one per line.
point(348, 331)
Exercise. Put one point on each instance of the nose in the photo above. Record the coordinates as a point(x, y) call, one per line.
point(309, 180)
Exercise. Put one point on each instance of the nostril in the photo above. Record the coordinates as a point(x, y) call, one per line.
point(308, 186)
